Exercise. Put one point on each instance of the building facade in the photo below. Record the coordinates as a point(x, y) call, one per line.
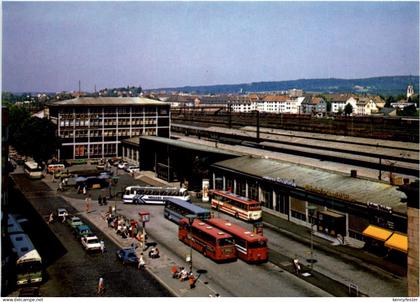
point(94, 127)
point(346, 206)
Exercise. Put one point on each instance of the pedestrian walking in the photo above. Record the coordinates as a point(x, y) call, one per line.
point(101, 286)
point(296, 266)
point(142, 264)
point(191, 280)
point(87, 202)
point(64, 217)
point(100, 199)
point(102, 243)
point(51, 218)
point(84, 190)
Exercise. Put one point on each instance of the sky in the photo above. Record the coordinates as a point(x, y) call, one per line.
point(50, 46)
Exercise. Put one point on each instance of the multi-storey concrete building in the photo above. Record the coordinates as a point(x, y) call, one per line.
point(94, 127)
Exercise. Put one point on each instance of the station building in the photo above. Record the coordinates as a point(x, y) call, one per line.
point(345, 207)
point(93, 127)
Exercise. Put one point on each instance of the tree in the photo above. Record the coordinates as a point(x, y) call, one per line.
point(348, 109)
point(17, 117)
point(414, 99)
point(408, 111)
point(38, 139)
point(388, 100)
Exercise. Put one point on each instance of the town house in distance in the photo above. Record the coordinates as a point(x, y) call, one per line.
point(93, 127)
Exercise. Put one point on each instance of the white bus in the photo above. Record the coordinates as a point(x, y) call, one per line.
point(28, 260)
point(153, 195)
point(33, 170)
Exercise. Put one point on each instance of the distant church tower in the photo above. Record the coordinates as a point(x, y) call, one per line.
point(410, 91)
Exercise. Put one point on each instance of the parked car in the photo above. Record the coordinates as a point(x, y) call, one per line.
point(127, 256)
point(122, 165)
point(82, 231)
point(91, 243)
point(62, 212)
point(132, 169)
point(74, 222)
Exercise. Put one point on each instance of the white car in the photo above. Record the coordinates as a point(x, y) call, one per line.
point(61, 212)
point(122, 165)
point(132, 169)
point(91, 243)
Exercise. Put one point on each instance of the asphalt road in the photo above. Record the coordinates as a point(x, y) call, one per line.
point(236, 278)
point(70, 271)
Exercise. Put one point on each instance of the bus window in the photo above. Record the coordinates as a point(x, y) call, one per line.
point(257, 244)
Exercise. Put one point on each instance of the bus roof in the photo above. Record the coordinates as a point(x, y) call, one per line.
point(237, 197)
point(13, 227)
point(24, 248)
point(187, 205)
point(236, 230)
point(206, 228)
point(151, 187)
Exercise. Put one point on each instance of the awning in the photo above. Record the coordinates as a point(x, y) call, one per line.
point(377, 233)
point(398, 242)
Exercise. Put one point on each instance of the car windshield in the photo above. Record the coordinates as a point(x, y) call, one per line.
point(92, 241)
point(131, 255)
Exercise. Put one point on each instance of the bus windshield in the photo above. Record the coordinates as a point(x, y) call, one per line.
point(225, 241)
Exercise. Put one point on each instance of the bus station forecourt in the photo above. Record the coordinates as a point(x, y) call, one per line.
point(160, 269)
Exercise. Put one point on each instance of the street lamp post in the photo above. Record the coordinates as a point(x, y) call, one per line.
point(311, 210)
point(190, 218)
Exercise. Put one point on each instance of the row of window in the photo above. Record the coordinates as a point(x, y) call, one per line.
point(106, 133)
point(106, 122)
point(95, 150)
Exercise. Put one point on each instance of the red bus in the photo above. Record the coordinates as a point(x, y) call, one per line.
point(251, 247)
point(210, 241)
point(235, 205)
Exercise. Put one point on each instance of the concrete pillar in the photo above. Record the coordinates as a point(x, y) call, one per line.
point(246, 188)
point(274, 200)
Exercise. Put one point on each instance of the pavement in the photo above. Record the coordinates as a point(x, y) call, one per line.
point(160, 268)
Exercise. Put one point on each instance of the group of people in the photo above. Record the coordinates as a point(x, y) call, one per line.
point(123, 226)
point(182, 274)
point(102, 200)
